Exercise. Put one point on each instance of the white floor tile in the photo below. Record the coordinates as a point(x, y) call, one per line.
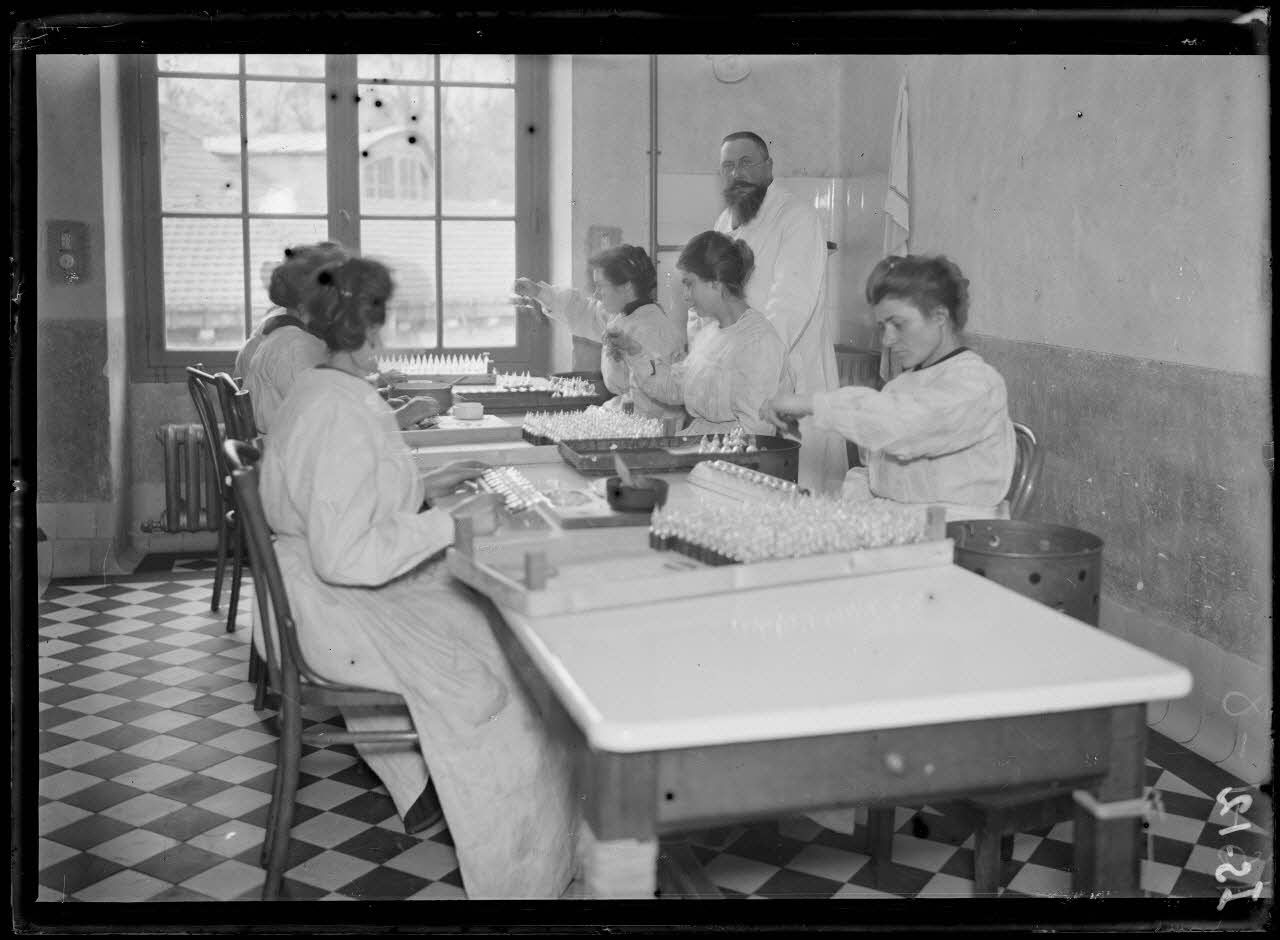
point(827, 862)
point(66, 782)
point(740, 874)
point(133, 846)
point(55, 815)
point(230, 839)
point(329, 829)
point(1041, 881)
point(158, 748)
point(151, 776)
point(75, 754)
point(123, 886)
point(947, 886)
point(426, 860)
point(227, 881)
point(330, 870)
point(142, 809)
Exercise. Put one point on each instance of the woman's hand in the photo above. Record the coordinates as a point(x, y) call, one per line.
point(525, 295)
point(444, 480)
point(389, 378)
point(415, 411)
point(618, 343)
point(785, 411)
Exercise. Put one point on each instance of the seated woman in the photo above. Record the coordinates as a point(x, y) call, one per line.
point(626, 283)
point(286, 347)
point(735, 362)
point(939, 432)
point(376, 607)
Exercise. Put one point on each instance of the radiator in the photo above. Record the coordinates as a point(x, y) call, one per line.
point(192, 495)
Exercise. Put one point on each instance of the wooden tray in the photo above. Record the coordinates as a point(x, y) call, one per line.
point(596, 569)
point(511, 402)
point(451, 430)
point(776, 456)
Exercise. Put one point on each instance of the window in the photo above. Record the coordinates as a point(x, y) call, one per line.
point(413, 159)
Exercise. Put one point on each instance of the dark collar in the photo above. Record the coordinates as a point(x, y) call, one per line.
point(632, 307)
point(955, 352)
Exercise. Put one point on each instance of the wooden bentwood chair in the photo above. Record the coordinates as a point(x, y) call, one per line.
point(994, 818)
point(205, 391)
point(288, 675)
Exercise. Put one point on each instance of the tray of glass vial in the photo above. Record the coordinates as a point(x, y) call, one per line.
point(515, 392)
point(775, 457)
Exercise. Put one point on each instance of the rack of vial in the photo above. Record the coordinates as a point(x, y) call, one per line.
point(515, 489)
point(740, 483)
point(592, 423)
point(557, 386)
point(720, 531)
point(432, 364)
point(737, 441)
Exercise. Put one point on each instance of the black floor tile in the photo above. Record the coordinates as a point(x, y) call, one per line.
point(192, 788)
point(377, 845)
point(72, 874)
point(123, 737)
point(368, 807)
point(384, 884)
point(794, 884)
point(101, 796)
point(185, 823)
point(88, 832)
point(179, 863)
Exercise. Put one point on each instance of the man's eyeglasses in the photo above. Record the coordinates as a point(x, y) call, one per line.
point(746, 163)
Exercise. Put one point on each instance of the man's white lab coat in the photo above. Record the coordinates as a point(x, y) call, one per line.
point(788, 286)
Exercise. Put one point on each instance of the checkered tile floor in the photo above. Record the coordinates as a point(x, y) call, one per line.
point(155, 774)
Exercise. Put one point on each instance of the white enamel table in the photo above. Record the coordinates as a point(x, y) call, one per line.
point(889, 689)
point(896, 688)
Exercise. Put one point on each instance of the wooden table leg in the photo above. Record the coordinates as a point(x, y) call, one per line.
point(1107, 856)
point(618, 841)
point(617, 868)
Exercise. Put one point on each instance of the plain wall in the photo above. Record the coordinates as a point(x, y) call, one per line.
point(1111, 214)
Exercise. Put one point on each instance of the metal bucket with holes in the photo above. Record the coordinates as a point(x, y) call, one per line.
point(1056, 565)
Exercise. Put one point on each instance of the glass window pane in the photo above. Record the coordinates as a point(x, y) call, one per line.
point(199, 145)
point(268, 238)
point(478, 167)
point(203, 283)
point(311, 65)
point(394, 66)
point(396, 157)
point(287, 170)
point(409, 250)
point(203, 62)
point(478, 68)
point(479, 268)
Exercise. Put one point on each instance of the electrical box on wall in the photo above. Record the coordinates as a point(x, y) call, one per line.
point(68, 251)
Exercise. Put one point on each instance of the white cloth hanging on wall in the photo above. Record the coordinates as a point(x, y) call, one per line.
point(897, 200)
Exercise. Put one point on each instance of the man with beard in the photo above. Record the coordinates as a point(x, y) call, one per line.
point(788, 286)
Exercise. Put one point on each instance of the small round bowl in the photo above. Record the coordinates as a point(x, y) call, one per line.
point(642, 497)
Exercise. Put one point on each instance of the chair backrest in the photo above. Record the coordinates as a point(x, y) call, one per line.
point(205, 396)
point(1026, 470)
point(286, 665)
point(237, 410)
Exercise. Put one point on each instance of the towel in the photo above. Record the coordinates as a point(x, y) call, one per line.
point(897, 201)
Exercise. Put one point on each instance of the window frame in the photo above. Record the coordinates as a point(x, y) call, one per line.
point(150, 361)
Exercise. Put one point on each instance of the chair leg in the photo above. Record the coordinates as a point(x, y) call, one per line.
point(222, 563)
point(260, 690)
point(237, 570)
point(280, 817)
point(987, 865)
point(880, 838)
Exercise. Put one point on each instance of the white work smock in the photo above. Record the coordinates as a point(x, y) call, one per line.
point(648, 324)
point(939, 435)
point(284, 354)
point(375, 606)
point(788, 285)
point(729, 373)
